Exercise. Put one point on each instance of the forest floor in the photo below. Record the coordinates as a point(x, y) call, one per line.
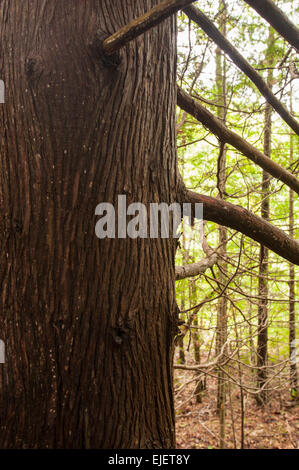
point(276, 426)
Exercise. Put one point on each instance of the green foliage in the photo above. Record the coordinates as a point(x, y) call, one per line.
point(198, 153)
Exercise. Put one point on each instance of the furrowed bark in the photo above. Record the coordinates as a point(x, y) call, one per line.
point(88, 324)
point(203, 115)
point(271, 13)
point(142, 24)
point(208, 27)
point(238, 218)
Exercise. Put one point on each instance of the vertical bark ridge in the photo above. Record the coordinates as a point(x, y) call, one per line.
point(88, 324)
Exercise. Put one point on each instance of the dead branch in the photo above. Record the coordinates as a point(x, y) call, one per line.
point(142, 24)
point(211, 122)
point(210, 29)
point(192, 270)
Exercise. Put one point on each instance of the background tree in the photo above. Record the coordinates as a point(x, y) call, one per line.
point(245, 113)
point(292, 316)
point(263, 291)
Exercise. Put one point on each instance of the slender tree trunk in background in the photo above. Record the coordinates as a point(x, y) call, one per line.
point(88, 325)
point(292, 312)
point(252, 349)
point(182, 358)
point(196, 341)
point(196, 336)
point(262, 339)
point(221, 336)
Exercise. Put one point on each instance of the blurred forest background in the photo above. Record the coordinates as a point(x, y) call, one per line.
point(236, 363)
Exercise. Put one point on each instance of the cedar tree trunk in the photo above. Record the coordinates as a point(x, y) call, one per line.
point(88, 324)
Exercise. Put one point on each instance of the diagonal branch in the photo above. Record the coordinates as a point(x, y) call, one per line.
point(142, 24)
point(238, 218)
point(194, 269)
point(208, 27)
point(193, 107)
point(268, 10)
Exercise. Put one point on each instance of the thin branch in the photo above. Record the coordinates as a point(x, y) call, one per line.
point(192, 270)
point(212, 364)
point(143, 24)
point(268, 10)
point(199, 112)
point(238, 218)
point(210, 29)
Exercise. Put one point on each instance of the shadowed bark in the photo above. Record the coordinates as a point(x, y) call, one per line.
point(88, 324)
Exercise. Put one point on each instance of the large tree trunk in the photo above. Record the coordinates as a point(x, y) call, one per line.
point(88, 324)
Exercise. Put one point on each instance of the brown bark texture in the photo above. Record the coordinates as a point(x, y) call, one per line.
point(88, 324)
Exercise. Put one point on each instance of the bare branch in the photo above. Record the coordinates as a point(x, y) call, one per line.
point(143, 24)
point(192, 270)
point(208, 27)
point(208, 365)
point(188, 104)
point(268, 10)
point(238, 218)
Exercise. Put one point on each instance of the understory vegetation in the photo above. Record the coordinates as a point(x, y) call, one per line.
point(236, 362)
